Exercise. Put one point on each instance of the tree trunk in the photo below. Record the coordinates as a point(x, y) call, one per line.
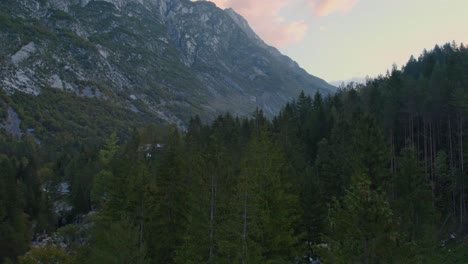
point(425, 149)
point(412, 131)
point(244, 232)
point(418, 142)
point(392, 153)
point(212, 214)
point(392, 162)
point(431, 162)
point(462, 184)
point(431, 155)
point(452, 169)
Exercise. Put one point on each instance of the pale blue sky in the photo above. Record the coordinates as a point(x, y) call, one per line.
point(377, 33)
point(342, 39)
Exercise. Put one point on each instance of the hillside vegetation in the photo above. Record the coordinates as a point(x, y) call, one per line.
point(376, 173)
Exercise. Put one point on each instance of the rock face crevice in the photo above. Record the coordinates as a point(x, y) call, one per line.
point(12, 123)
point(176, 57)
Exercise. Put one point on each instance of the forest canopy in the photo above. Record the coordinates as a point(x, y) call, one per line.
point(375, 173)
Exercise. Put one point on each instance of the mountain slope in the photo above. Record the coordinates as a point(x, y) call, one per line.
point(172, 58)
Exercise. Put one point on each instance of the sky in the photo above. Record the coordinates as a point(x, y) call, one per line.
point(338, 40)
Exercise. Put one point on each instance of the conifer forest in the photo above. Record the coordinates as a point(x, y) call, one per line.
point(374, 173)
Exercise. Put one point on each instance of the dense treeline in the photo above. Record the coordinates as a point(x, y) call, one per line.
point(59, 118)
point(373, 174)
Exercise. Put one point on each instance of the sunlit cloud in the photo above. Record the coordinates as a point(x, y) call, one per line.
point(286, 34)
point(266, 18)
point(327, 7)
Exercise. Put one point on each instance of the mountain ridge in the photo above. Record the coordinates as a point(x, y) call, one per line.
point(174, 57)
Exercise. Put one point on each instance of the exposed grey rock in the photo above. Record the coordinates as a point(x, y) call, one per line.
point(56, 82)
point(63, 188)
point(62, 207)
point(244, 25)
point(83, 3)
point(12, 123)
point(23, 53)
point(178, 57)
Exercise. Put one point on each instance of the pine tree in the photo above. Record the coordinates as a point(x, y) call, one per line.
point(362, 227)
point(47, 254)
point(224, 151)
point(313, 200)
point(445, 192)
point(199, 237)
point(116, 242)
point(14, 230)
point(413, 203)
point(370, 151)
point(266, 210)
point(167, 221)
point(100, 182)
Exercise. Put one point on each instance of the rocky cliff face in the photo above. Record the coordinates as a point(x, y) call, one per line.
point(176, 58)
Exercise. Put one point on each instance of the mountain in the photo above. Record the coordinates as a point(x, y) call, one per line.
point(354, 80)
point(169, 58)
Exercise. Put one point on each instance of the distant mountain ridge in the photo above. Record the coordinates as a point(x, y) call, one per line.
point(173, 58)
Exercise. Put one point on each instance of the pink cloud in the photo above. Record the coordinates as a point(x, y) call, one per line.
point(326, 7)
point(286, 34)
point(265, 18)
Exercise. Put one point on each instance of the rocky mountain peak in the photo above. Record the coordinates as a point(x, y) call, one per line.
point(244, 25)
point(174, 58)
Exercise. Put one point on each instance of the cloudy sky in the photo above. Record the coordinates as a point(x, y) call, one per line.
point(343, 39)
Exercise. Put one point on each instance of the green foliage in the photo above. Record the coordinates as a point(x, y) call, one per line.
point(14, 227)
point(268, 211)
point(74, 40)
point(60, 15)
point(362, 227)
point(196, 239)
point(47, 255)
point(387, 157)
point(110, 150)
point(59, 118)
point(116, 242)
point(100, 187)
point(413, 199)
point(171, 200)
point(31, 29)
